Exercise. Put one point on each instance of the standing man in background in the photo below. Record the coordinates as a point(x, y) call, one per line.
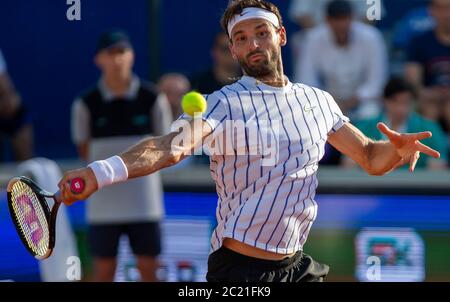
point(121, 110)
point(347, 58)
point(310, 13)
point(15, 123)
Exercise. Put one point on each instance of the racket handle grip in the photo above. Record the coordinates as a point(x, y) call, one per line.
point(77, 185)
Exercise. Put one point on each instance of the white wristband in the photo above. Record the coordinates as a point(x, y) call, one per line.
point(109, 171)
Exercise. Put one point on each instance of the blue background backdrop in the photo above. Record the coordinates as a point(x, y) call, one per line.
point(50, 58)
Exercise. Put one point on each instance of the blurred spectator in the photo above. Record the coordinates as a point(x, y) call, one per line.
point(429, 53)
point(174, 86)
point(445, 122)
point(15, 123)
point(430, 104)
point(412, 24)
point(445, 118)
point(225, 70)
point(399, 115)
point(119, 111)
point(310, 13)
point(346, 58)
point(435, 105)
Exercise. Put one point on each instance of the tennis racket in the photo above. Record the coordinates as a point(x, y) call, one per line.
point(34, 221)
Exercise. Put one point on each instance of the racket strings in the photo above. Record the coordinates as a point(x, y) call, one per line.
point(30, 217)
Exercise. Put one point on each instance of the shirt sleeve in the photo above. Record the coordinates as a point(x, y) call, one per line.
point(339, 119)
point(80, 122)
point(161, 115)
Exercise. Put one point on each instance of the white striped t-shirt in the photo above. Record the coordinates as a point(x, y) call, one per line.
point(271, 207)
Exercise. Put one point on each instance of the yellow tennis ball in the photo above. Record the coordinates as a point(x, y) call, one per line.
point(193, 103)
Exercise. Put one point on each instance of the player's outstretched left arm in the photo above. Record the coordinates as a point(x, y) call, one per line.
point(381, 157)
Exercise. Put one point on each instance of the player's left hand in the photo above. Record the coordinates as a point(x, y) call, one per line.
point(408, 145)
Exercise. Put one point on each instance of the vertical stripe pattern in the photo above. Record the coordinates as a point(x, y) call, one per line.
point(271, 207)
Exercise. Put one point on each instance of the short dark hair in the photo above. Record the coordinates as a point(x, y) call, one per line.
point(339, 8)
point(237, 6)
point(397, 85)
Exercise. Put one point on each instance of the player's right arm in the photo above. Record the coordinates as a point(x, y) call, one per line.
point(156, 153)
point(144, 158)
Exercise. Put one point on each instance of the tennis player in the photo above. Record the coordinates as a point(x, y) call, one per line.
point(264, 211)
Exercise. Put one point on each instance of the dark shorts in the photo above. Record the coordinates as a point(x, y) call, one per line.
point(144, 238)
point(225, 265)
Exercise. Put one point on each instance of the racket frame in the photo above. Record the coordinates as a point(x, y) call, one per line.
point(50, 215)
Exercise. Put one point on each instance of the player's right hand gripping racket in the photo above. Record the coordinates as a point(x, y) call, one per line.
point(34, 221)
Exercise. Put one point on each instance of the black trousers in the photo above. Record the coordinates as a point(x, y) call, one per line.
point(225, 265)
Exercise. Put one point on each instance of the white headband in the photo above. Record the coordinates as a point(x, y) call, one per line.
point(253, 13)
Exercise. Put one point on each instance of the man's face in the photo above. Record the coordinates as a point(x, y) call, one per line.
point(398, 107)
point(115, 61)
point(340, 26)
point(256, 44)
point(440, 10)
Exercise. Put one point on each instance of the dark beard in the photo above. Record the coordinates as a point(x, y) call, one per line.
point(261, 69)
